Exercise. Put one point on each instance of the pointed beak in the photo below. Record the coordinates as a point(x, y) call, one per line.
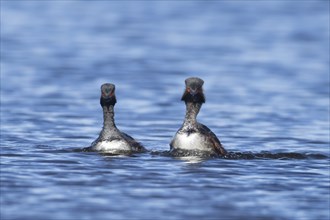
point(107, 95)
point(193, 92)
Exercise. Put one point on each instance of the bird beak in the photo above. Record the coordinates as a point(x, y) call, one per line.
point(107, 95)
point(193, 92)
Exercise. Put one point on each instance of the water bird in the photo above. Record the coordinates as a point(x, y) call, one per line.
point(193, 136)
point(111, 139)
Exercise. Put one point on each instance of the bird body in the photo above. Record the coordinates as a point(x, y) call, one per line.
point(111, 139)
point(194, 136)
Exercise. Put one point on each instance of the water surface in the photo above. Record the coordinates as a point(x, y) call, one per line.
point(266, 73)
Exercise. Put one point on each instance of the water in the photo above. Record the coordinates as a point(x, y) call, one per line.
point(266, 72)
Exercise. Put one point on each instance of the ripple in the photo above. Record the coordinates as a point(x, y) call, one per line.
point(262, 101)
point(270, 155)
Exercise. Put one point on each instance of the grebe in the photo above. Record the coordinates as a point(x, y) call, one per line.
point(111, 140)
point(194, 136)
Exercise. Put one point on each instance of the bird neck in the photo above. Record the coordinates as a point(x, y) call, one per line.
point(192, 110)
point(108, 118)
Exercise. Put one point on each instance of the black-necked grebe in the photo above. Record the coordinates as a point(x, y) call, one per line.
point(194, 136)
point(111, 140)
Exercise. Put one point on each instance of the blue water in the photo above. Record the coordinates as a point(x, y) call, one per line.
point(266, 72)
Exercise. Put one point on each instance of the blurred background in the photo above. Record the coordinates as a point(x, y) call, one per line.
point(262, 62)
point(266, 70)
